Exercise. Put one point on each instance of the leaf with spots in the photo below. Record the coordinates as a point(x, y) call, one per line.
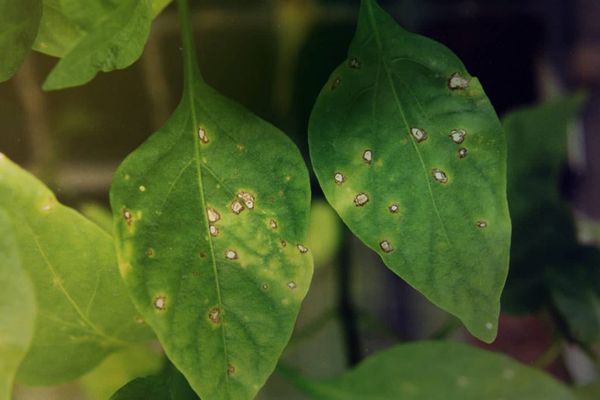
point(436, 371)
point(211, 214)
point(19, 21)
point(17, 308)
point(84, 311)
point(410, 153)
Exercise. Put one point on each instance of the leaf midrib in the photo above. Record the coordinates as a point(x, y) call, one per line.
point(399, 106)
point(189, 93)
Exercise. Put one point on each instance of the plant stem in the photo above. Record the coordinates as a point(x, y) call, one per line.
point(345, 306)
point(549, 355)
point(190, 66)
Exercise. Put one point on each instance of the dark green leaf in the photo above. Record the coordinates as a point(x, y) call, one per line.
point(17, 308)
point(113, 37)
point(211, 214)
point(19, 21)
point(84, 311)
point(169, 385)
point(543, 231)
point(410, 153)
point(436, 371)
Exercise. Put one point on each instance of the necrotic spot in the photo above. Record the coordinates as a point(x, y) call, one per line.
point(160, 303)
point(302, 249)
point(202, 135)
point(339, 178)
point(456, 81)
point(291, 285)
point(361, 199)
point(214, 315)
point(354, 63)
point(367, 156)
point(439, 175)
point(419, 134)
point(462, 152)
point(237, 207)
point(386, 246)
point(231, 254)
point(394, 208)
point(457, 135)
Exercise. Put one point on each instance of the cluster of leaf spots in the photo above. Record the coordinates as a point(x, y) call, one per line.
point(411, 154)
point(204, 247)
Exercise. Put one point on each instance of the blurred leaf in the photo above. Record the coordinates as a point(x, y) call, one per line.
point(120, 368)
point(575, 291)
point(211, 214)
point(114, 35)
point(84, 311)
point(99, 215)
point(436, 371)
point(588, 392)
point(19, 22)
point(169, 385)
point(17, 308)
point(386, 140)
point(543, 230)
point(324, 233)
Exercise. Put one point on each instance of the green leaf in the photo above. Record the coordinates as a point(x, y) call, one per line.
point(19, 21)
point(84, 311)
point(543, 230)
point(324, 233)
point(17, 308)
point(384, 139)
point(211, 216)
point(115, 38)
point(120, 368)
point(169, 385)
point(436, 371)
point(57, 34)
point(99, 215)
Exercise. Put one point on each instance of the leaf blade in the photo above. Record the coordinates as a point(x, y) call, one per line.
point(401, 139)
point(422, 371)
point(19, 20)
point(17, 308)
point(220, 199)
point(84, 311)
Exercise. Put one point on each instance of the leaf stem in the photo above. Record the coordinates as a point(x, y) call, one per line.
point(191, 71)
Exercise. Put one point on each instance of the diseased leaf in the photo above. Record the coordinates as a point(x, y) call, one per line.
point(169, 385)
point(17, 308)
point(436, 371)
point(410, 153)
point(103, 36)
point(19, 21)
point(211, 215)
point(84, 311)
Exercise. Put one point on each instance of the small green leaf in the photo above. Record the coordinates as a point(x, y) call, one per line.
point(99, 215)
point(115, 42)
point(410, 153)
point(169, 385)
point(17, 308)
point(324, 233)
point(211, 216)
point(84, 311)
point(19, 21)
point(436, 371)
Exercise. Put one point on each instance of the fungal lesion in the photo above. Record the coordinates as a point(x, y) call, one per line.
point(457, 82)
point(214, 231)
point(231, 254)
point(462, 152)
point(361, 199)
point(273, 224)
point(248, 199)
point(481, 224)
point(367, 156)
point(237, 207)
point(394, 208)
point(339, 178)
point(203, 135)
point(302, 249)
point(336, 83)
point(127, 216)
point(386, 246)
point(457, 135)
point(439, 175)
point(419, 134)
point(160, 303)
point(354, 63)
point(214, 315)
point(292, 285)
